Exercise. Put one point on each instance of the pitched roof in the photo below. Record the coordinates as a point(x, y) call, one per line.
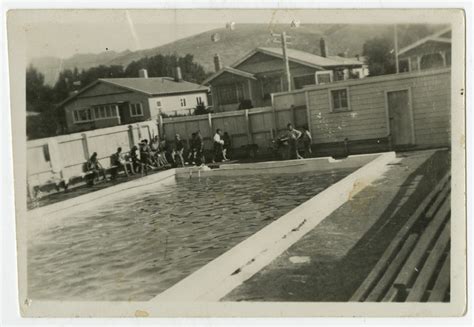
point(304, 58)
point(149, 86)
point(443, 36)
point(155, 85)
point(231, 71)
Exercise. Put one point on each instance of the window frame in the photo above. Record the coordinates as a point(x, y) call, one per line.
point(75, 115)
point(226, 93)
point(272, 84)
point(303, 76)
point(105, 111)
point(331, 100)
point(132, 106)
point(324, 72)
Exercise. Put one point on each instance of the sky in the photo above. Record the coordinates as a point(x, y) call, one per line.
point(118, 32)
point(63, 33)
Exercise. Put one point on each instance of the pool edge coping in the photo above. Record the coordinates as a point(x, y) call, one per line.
point(56, 208)
point(220, 276)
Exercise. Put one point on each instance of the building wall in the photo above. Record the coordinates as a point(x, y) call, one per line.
point(94, 97)
point(172, 103)
point(265, 65)
point(368, 117)
point(226, 79)
point(261, 63)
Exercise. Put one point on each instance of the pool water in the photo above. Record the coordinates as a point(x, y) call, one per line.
point(136, 247)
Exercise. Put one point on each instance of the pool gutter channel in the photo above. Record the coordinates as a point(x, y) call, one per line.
point(223, 274)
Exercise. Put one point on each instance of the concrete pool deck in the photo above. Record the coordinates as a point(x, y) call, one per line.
point(325, 264)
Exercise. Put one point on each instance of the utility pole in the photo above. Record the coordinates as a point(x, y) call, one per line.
point(395, 40)
point(284, 42)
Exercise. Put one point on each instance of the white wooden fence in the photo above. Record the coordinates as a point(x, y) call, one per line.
point(62, 157)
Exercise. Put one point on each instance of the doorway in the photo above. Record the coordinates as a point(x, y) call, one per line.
point(400, 117)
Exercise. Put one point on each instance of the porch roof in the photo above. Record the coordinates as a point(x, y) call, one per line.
point(229, 70)
point(304, 58)
point(442, 36)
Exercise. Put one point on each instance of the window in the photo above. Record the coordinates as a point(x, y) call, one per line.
point(271, 85)
point(324, 77)
point(105, 111)
point(339, 100)
point(339, 75)
point(158, 103)
point(230, 93)
point(182, 102)
point(431, 60)
point(302, 81)
point(136, 109)
point(199, 100)
point(404, 65)
point(82, 115)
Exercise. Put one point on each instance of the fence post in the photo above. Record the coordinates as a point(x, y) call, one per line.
point(249, 129)
point(274, 115)
point(85, 146)
point(292, 115)
point(161, 131)
point(308, 113)
point(186, 134)
point(209, 120)
point(131, 137)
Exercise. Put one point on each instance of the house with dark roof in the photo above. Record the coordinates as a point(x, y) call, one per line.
point(115, 101)
point(250, 81)
point(433, 51)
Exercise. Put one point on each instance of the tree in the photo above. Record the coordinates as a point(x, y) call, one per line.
point(38, 95)
point(380, 56)
point(164, 65)
point(44, 99)
point(40, 99)
point(379, 51)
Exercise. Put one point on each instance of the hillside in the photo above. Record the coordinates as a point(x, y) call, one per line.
point(234, 44)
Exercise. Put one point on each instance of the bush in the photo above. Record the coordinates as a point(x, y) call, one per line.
point(202, 110)
point(245, 104)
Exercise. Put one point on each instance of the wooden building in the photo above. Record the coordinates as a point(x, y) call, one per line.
point(114, 101)
point(250, 81)
point(398, 111)
point(433, 51)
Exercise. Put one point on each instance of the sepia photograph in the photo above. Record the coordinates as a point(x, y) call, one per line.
point(230, 162)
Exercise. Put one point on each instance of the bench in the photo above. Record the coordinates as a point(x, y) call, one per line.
point(415, 267)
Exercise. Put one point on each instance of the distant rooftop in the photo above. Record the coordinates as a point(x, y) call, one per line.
point(311, 59)
point(155, 85)
point(147, 85)
point(298, 56)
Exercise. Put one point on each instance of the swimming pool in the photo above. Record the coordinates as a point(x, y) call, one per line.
point(133, 248)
